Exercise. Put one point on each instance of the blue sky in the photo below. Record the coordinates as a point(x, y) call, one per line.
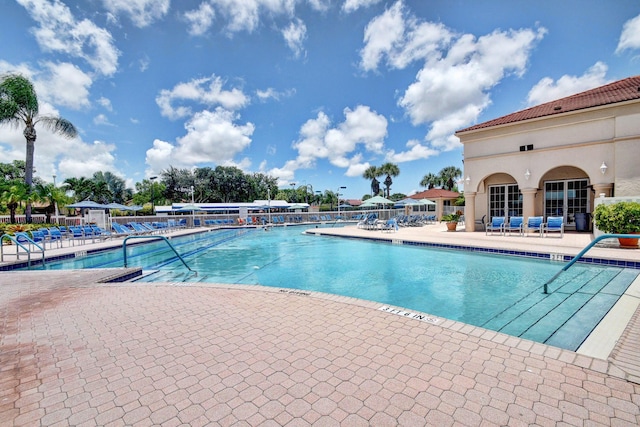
point(310, 91)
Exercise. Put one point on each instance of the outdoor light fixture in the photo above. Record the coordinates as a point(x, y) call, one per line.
point(153, 198)
point(603, 168)
point(338, 197)
point(468, 180)
point(527, 174)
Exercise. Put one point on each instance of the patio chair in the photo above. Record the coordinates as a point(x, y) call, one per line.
point(516, 224)
point(479, 223)
point(534, 223)
point(76, 234)
point(496, 224)
point(554, 224)
point(390, 225)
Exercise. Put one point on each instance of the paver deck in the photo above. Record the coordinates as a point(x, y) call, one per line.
point(74, 351)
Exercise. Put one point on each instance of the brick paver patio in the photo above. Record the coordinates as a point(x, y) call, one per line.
point(77, 352)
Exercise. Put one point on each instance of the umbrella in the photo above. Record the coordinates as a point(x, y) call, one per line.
point(407, 201)
point(189, 208)
point(426, 202)
point(377, 200)
point(298, 206)
point(119, 206)
point(87, 204)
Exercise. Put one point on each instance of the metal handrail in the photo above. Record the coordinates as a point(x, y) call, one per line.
point(20, 245)
point(124, 249)
point(584, 251)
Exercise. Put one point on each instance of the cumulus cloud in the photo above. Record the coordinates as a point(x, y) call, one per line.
point(547, 90)
point(59, 31)
point(105, 103)
point(630, 37)
point(294, 35)
point(65, 84)
point(206, 91)
point(141, 12)
point(212, 137)
point(415, 151)
point(200, 19)
point(271, 93)
point(353, 5)
point(362, 130)
point(452, 88)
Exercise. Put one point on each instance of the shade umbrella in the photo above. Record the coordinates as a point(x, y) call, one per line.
point(190, 208)
point(426, 202)
point(87, 204)
point(377, 200)
point(119, 206)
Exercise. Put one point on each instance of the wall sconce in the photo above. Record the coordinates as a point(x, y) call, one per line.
point(603, 168)
point(468, 180)
point(527, 174)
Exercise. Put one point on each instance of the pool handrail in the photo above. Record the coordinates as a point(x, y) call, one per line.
point(124, 249)
point(584, 251)
point(20, 245)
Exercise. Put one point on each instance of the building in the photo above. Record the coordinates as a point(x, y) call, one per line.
point(555, 158)
point(444, 200)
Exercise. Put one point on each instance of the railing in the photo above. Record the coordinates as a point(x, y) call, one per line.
point(584, 251)
point(124, 249)
point(20, 245)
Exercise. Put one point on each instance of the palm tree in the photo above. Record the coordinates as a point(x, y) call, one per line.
point(390, 170)
point(12, 198)
point(430, 181)
point(19, 106)
point(449, 175)
point(372, 173)
point(81, 187)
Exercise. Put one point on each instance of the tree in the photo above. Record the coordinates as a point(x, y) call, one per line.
point(13, 197)
point(391, 170)
point(449, 176)
point(81, 187)
point(19, 106)
point(372, 173)
point(430, 181)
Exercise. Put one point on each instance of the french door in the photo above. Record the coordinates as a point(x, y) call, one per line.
point(504, 200)
point(566, 198)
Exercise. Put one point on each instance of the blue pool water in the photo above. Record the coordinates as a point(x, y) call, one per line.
point(496, 292)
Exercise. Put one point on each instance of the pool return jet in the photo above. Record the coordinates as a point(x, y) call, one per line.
point(584, 251)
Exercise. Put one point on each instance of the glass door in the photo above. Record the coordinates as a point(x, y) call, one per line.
point(504, 200)
point(566, 198)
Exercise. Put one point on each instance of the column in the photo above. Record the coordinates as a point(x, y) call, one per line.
point(528, 202)
point(470, 211)
point(603, 188)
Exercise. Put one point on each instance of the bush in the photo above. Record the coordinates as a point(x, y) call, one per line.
point(618, 218)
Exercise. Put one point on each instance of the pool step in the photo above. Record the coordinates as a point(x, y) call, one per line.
point(577, 300)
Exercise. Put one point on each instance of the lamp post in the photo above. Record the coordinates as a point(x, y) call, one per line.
point(153, 198)
point(293, 191)
point(338, 197)
point(55, 202)
point(269, 205)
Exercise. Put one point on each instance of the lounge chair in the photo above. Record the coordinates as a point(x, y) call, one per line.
point(76, 234)
point(554, 224)
point(480, 222)
point(516, 224)
point(390, 225)
point(534, 223)
point(496, 224)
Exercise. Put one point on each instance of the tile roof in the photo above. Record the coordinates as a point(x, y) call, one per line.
point(622, 90)
point(435, 193)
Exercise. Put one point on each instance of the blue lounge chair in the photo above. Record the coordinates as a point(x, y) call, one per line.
point(390, 225)
point(496, 224)
point(534, 223)
point(516, 224)
point(76, 234)
point(554, 224)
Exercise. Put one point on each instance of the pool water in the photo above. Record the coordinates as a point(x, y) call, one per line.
point(496, 292)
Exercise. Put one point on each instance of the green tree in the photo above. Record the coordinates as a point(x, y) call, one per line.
point(372, 173)
point(391, 170)
point(449, 175)
point(82, 188)
point(430, 181)
point(12, 198)
point(52, 195)
point(19, 106)
point(115, 185)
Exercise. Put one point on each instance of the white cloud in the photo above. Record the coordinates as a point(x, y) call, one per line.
point(105, 103)
point(60, 32)
point(244, 15)
point(212, 137)
point(141, 12)
point(547, 90)
point(342, 145)
point(416, 151)
point(630, 37)
point(271, 93)
point(207, 91)
point(200, 19)
point(101, 120)
point(353, 5)
point(294, 35)
point(65, 84)
point(452, 88)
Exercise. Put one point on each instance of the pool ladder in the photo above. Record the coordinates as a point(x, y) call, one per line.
point(124, 249)
point(27, 249)
point(584, 251)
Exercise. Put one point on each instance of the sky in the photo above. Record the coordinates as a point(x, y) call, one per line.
point(312, 92)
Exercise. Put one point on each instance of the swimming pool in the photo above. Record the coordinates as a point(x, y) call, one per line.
point(495, 292)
